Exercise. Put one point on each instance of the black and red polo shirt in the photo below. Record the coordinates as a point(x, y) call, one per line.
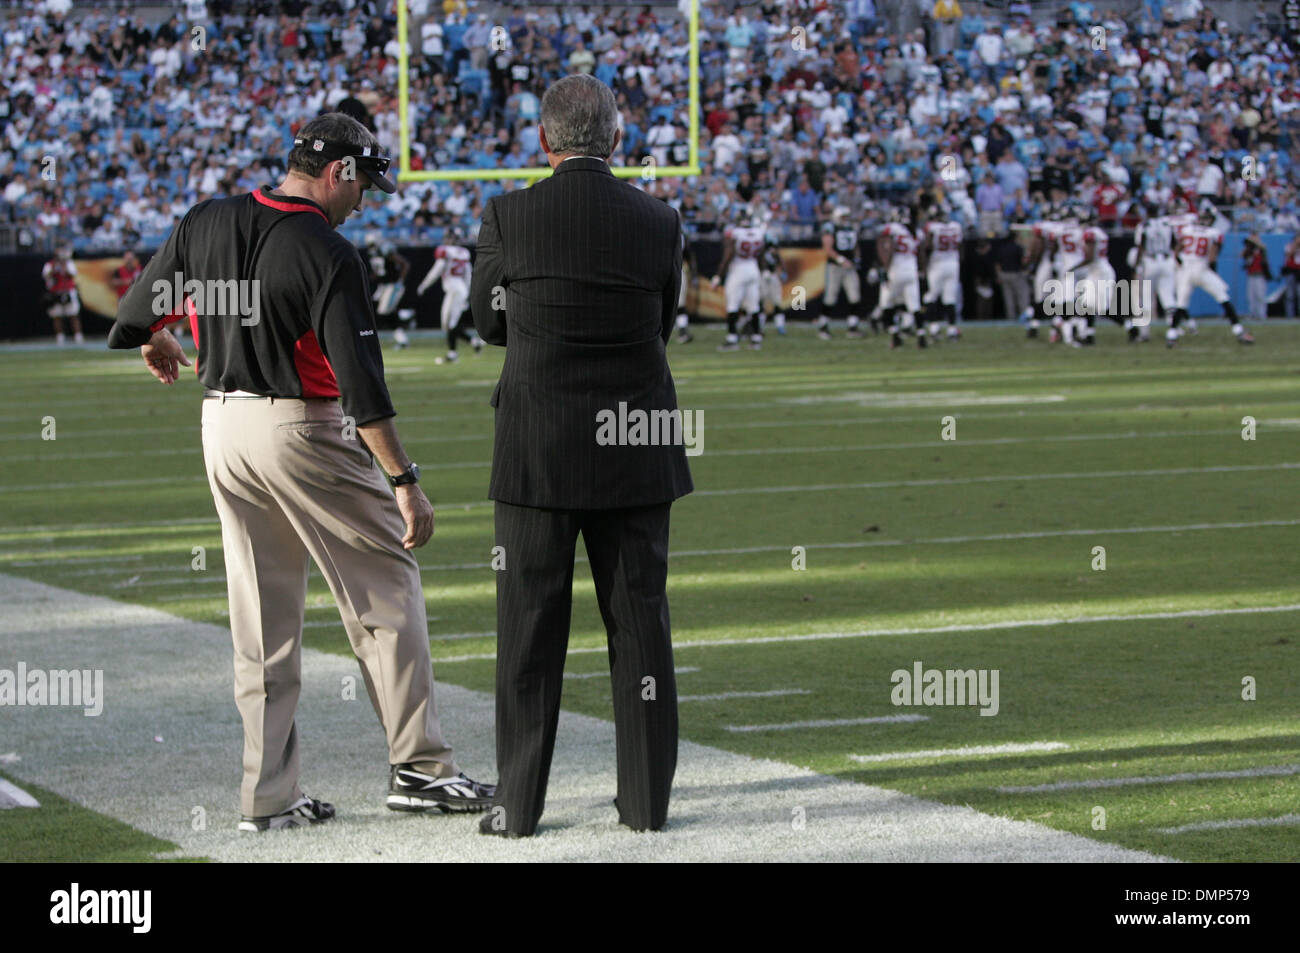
point(312, 332)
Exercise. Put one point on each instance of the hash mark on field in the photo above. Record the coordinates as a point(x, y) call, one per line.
point(961, 752)
point(13, 796)
point(684, 670)
point(725, 696)
point(830, 723)
point(935, 630)
point(1271, 771)
point(1233, 823)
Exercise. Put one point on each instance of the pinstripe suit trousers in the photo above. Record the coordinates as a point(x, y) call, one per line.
point(628, 553)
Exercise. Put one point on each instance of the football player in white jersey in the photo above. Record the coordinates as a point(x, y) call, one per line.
point(1152, 259)
point(1068, 256)
point(941, 248)
point(901, 292)
point(1198, 250)
point(451, 263)
point(1042, 248)
point(741, 246)
point(1094, 280)
point(840, 243)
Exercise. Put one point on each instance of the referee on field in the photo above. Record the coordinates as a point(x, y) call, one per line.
point(279, 305)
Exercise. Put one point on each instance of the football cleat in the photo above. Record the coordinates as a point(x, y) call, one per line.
point(414, 791)
point(1245, 337)
point(305, 811)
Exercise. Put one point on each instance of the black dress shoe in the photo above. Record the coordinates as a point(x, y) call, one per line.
point(485, 826)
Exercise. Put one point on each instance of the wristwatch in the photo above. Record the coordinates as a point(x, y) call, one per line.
point(408, 476)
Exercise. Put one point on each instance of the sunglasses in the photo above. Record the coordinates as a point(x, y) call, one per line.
point(368, 159)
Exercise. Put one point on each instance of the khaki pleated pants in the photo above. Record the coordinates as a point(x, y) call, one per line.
point(289, 485)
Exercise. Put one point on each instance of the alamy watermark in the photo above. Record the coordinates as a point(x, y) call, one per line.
point(1102, 297)
point(38, 687)
point(651, 428)
point(932, 686)
point(217, 298)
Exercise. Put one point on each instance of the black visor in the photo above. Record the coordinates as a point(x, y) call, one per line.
point(369, 160)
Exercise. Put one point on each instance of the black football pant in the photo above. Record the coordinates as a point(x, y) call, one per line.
point(628, 553)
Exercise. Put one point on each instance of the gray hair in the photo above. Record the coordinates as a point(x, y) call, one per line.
point(580, 116)
point(334, 127)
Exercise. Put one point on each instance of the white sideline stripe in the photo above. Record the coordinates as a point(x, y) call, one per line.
point(1285, 819)
point(1271, 771)
point(961, 752)
point(682, 670)
point(829, 723)
point(726, 696)
point(725, 806)
point(13, 796)
point(937, 630)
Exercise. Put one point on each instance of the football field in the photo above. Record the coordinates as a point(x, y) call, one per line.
point(1006, 579)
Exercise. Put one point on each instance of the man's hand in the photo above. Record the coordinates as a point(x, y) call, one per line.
point(418, 513)
point(163, 355)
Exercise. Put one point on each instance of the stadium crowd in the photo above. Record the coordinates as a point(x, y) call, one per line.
point(110, 128)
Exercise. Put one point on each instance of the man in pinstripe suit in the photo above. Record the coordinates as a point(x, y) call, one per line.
point(578, 278)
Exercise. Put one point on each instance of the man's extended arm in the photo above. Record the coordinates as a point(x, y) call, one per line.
point(144, 310)
point(489, 275)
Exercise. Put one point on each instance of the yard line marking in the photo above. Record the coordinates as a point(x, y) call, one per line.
point(960, 481)
point(829, 723)
point(987, 442)
point(941, 398)
point(1271, 771)
point(753, 451)
point(962, 415)
point(1233, 823)
point(727, 696)
point(937, 630)
point(749, 490)
point(13, 796)
point(54, 560)
point(961, 752)
point(683, 670)
point(756, 451)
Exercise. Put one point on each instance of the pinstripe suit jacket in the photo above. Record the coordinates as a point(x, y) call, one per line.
point(584, 272)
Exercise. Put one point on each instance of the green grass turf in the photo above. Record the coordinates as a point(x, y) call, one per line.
point(61, 832)
point(836, 447)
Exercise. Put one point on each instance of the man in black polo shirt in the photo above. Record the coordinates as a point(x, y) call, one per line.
point(295, 414)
